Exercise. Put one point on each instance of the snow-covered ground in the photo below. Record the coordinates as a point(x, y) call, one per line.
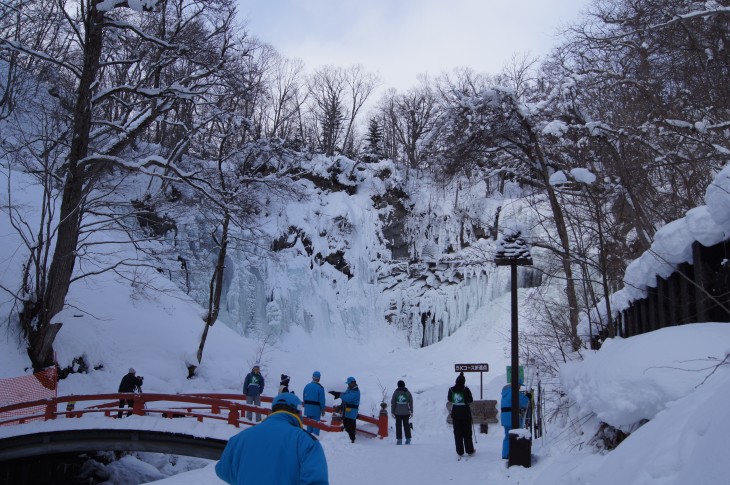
point(657, 376)
point(669, 377)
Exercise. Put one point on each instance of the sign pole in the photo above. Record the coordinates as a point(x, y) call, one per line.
point(512, 251)
point(515, 353)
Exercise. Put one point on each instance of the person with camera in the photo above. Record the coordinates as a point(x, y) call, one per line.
point(350, 404)
point(130, 383)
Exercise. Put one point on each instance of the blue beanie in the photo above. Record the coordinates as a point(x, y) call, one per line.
point(316, 374)
point(287, 401)
point(349, 380)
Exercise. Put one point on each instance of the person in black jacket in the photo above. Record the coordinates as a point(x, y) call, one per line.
point(130, 383)
point(460, 398)
point(401, 405)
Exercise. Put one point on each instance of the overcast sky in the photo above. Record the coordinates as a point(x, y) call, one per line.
point(400, 39)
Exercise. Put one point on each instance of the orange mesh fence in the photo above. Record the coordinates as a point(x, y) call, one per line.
point(41, 385)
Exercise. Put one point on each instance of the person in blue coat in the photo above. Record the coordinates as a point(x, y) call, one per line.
point(275, 451)
point(506, 414)
point(253, 387)
point(314, 401)
point(350, 403)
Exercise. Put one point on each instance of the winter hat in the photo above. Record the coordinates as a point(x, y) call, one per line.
point(132, 371)
point(284, 378)
point(256, 366)
point(316, 374)
point(349, 380)
point(401, 384)
point(287, 401)
point(460, 379)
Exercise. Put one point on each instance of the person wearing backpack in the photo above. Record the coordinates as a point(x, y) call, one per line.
point(401, 406)
point(460, 398)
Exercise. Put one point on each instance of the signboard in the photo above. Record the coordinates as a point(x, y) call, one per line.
point(471, 367)
point(509, 374)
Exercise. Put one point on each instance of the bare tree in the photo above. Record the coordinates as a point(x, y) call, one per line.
point(411, 117)
point(360, 86)
point(326, 88)
point(178, 50)
point(286, 98)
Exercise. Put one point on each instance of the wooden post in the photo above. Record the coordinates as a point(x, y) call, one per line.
point(661, 297)
point(383, 421)
point(233, 417)
point(672, 297)
point(685, 296)
point(651, 316)
point(137, 405)
point(700, 282)
point(50, 410)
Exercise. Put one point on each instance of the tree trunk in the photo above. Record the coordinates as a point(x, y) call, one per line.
point(42, 333)
point(562, 230)
point(216, 284)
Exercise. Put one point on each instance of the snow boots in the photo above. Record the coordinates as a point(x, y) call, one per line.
point(399, 442)
point(408, 441)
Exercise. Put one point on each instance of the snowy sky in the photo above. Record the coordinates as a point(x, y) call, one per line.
point(400, 39)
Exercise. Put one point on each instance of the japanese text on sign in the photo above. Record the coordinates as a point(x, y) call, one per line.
point(471, 367)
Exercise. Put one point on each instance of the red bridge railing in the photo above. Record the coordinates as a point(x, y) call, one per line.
point(230, 408)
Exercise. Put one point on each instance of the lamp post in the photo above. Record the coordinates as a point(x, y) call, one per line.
point(512, 251)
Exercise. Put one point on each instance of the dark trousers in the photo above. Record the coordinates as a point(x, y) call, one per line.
point(400, 423)
point(350, 426)
point(462, 436)
point(129, 403)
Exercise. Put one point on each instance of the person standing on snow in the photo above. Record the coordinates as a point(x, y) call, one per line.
point(284, 384)
point(314, 401)
point(129, 383)
point(505, 416)
point(350, 403)
point(401, 406)
point(276, 451)
point(460, 398)
point(253, 387)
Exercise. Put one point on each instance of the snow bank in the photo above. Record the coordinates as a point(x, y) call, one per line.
point(632, 379)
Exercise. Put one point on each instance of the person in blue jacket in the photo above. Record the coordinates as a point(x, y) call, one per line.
point(350, 403)
point(506, 414)
point(314, 401)
point(253, 387)
point(276, 451)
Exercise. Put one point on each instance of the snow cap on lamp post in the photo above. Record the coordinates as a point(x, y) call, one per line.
point(512, 249)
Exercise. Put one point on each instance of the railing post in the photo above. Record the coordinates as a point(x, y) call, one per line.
point(336, 419)
point(383, 421)
point(50, 410)
point(233, 417)
point(137, 404)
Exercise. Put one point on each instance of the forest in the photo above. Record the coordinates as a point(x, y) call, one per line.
point(96, 93)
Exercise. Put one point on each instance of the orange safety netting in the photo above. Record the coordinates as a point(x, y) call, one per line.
point(41, 385)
